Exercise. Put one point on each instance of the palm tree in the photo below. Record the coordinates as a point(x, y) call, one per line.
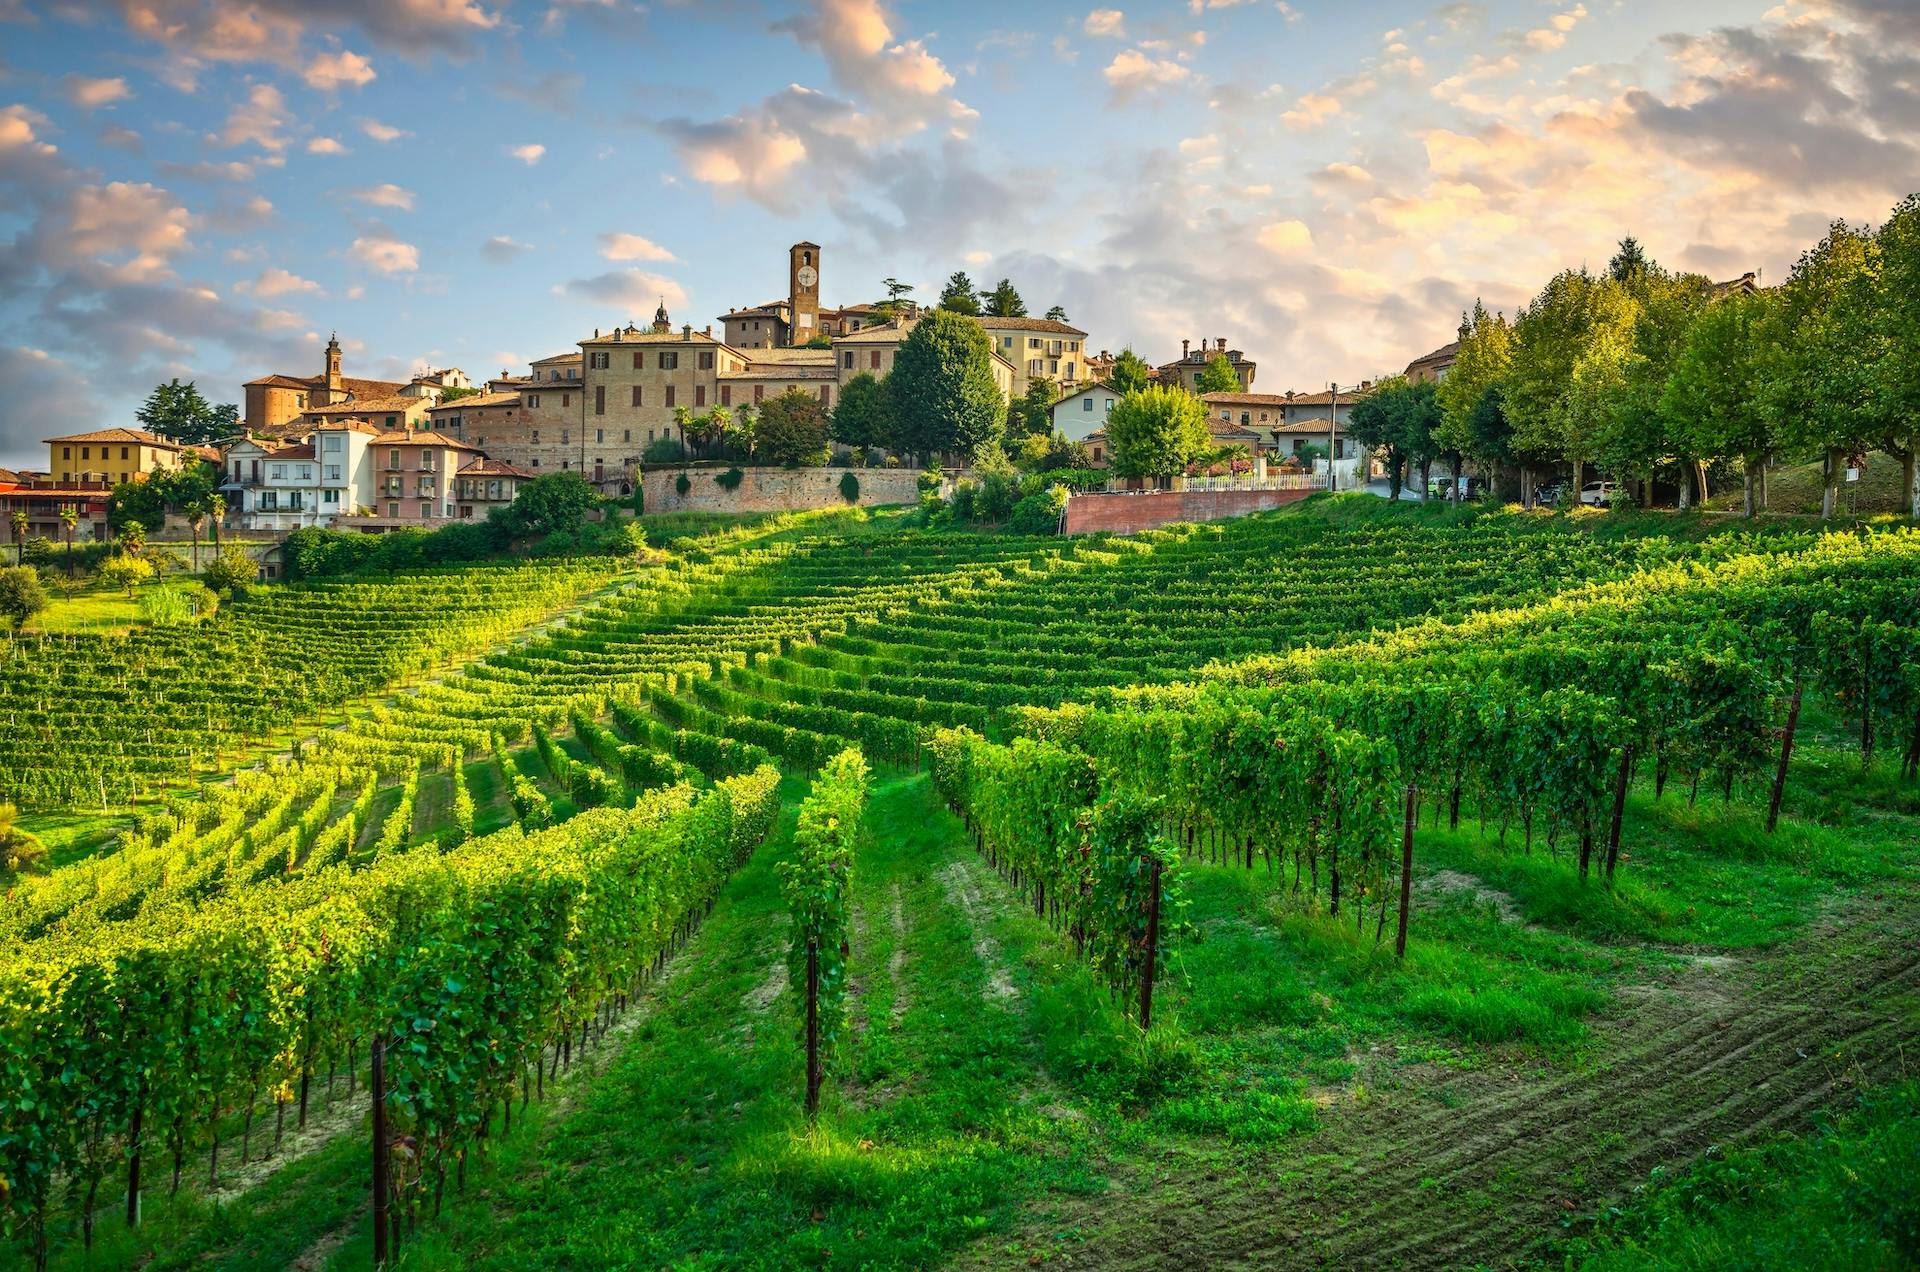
point(133, 537)
point(196, 514)
point(216, 512)
point(19, 520)
point(683, 419)
point(69, 518)
point(715, 425)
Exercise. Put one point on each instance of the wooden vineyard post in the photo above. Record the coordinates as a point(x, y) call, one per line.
point(133, 1168)
point(1786, 753)
point(813, 1028)
point(1619, 808)
point(1153, 948)
point(1406, 871)
point(377, 1081)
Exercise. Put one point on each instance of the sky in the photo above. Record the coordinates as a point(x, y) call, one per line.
point(208, 188)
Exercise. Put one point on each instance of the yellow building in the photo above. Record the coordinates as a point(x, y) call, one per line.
point(114, 455)
point(1039, 348)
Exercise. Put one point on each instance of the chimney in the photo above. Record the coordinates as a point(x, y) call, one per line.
point(1289, 395)
point(1220, 343)
point(1365, 385)
point(596, 333)
point(1184, 345)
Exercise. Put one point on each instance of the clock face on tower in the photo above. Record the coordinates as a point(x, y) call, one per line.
point(808, 276)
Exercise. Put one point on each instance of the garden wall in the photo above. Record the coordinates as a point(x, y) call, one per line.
point(775, 489)
point(1129, 512)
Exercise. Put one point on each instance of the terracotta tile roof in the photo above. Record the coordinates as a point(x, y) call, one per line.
point(422, 437)
point(128, 435)
point(1321, 399)
point(318, 383)
point(1747, 282)
point(364, 406)
point(1444, 353)
point(493, 468)
point(771, 373)
point(1029, 324)
point(477, 400)
point(279, 381)
point(1245, 399)
point(335, 425)
point(886, 333)
point(791, 357)
point(574, 356)
point(302, 451)
point(637, 335)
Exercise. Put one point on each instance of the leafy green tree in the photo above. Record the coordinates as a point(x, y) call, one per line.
point(1401, 420)
point(1570, 343)
point(1817, 384)
point(1130, 373)
point(1714, 397)
point(21, 595)
point(1057, 314)
point(455, 394)
point(1218, 376)
point(216, 513)
point(552, 503)
point(1892, 309)
point(19, 523)
point(1489, 437)
point(1480, 364)
point(69, 519)
point(1157, 432)
point(863, 419)
point(1031, 415)
point(148, 499)
point(1634, 437)
point(896, 290)
point(1063, 452)
point(793, 429)
point(178, 411)
point(959, 296)
point(133, 538)
point(1003, 301)
point(125, 571)
point(942, 387)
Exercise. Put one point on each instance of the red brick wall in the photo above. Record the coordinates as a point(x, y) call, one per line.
point(1125, 514)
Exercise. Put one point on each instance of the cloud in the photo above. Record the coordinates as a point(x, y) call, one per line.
point(631, 247)
point(556, 91)
point(91, 94)
point(250, 214)
point(380, 251)
point(864, 59)
point(386, 195)
point(1132, 73)
point(528, 154)
point(382, 133)
point(750, 153)
point(206, 170)
point(1106, 23)
point(502, 250)
point(122, 231)
point(1311, 111)
point(278, 282)
point(329, 72)
point(1554, 34)
point(44, 395)
point(258, 120)
point(271, 30)
point(1285, 238)
point(630, 291)
point(325, 146)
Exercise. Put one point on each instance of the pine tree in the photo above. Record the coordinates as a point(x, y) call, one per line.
point(958, 296)
point(1004, 302)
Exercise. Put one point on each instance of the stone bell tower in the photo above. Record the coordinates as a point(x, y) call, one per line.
point(803, 290)
point(336, 391)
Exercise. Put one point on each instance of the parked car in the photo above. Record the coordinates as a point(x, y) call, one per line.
point(1597, 494)
point(1547, 495)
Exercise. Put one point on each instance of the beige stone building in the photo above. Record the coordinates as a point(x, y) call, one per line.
point(275, 402)
point(1039, 347)
point(1193, 360)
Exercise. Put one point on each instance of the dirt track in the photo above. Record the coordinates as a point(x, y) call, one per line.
point(1443, 1169)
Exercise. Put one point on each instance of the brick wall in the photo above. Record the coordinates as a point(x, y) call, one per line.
point(1128, 513)
point(776, 489)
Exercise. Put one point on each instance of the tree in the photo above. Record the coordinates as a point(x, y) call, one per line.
point(19, 523)
point(133, 538)
point(1218, 376)
point(216, 513)
point(147, 499)
point(455, 394)
point(1892, 307)
point(896, 290)
point(1400, 419)
point(1571, 343)
point(1157, 431)
point(942, 388)
point(125, 571)
point(1629, 262)
point(1480, 364)
point(232, 570)
point(69, 518)
point(1057, 314)
point(178, 411)
point(1817, 384)
point(20, 852)
point(1714, 397)
point(1003, 301)
point(551, 503)
point(864, 418)
point(793, 429)
point(1129, 374)
point(1032, 413)
point(21, 596)
point(959, 297)
point(196, 517)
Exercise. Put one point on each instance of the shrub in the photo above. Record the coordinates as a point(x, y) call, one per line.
point(667, 450)
point(21, 596)
point(682, 484)
point(1039, 513)
point(729, 480)
point(849, 487)
point(125, 571)
point(232, 570)
point(37, 551)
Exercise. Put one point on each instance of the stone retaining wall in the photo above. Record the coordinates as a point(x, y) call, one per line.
point(1132, 512)
point(775, 489)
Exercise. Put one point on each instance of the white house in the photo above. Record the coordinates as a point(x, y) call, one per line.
point(1084, 411)
point(286, 485)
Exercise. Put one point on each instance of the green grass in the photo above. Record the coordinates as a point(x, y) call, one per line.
point(1844, 1197)
point(71, 837)
point(1797, 488)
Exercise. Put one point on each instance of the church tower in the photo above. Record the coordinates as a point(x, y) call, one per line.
point(803, 290)
point(335, 391)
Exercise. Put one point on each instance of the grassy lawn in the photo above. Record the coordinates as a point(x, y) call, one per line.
point(1796, 488)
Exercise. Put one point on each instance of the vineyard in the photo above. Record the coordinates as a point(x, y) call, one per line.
point(1208, 856)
